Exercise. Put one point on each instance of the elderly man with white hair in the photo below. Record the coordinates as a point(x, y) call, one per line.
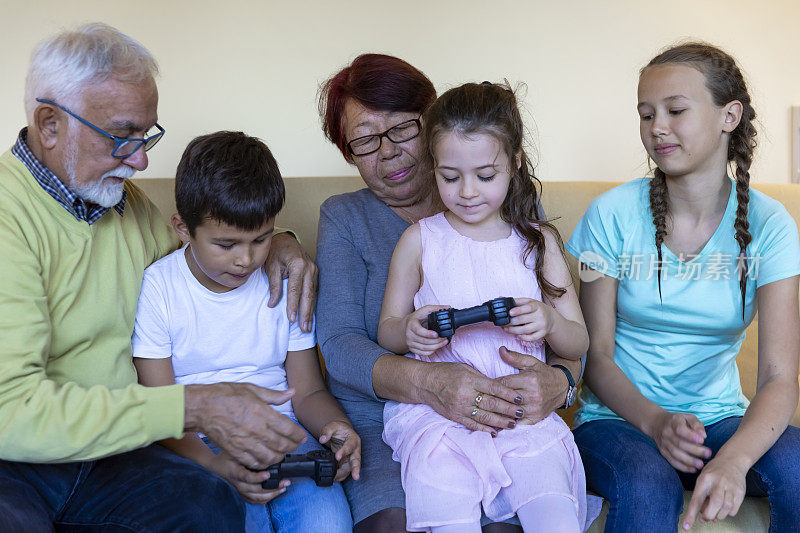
point(76, 430)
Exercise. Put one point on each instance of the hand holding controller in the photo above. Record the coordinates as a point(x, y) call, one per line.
point(445, 321)
point(320, 465)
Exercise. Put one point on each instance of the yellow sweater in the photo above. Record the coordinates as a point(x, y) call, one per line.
point(68, 294)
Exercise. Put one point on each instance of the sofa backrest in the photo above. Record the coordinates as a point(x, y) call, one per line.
point(563, 201)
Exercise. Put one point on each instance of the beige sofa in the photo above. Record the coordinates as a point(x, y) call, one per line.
point(564, 202)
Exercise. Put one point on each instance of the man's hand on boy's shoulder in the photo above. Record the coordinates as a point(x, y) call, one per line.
point(237, 417)
point(287, 259)
point(346, 445)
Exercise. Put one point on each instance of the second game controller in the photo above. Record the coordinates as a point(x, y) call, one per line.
point(320, 465)
point(445, 321)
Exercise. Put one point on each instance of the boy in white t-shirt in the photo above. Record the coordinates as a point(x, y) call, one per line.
point(203, 318)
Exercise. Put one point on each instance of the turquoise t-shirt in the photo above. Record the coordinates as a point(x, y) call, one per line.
point(681, 353)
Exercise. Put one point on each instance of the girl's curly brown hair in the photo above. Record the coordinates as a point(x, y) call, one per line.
point(492, 109)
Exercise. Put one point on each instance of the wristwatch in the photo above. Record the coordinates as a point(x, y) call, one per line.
point(572, 390)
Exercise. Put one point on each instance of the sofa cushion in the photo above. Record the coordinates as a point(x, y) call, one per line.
point(564, 203)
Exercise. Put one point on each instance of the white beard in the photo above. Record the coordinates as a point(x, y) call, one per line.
point(105, 194)
point(100, 193)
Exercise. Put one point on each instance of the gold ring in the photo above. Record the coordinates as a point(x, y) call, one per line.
point(474, 412)
point(478, 399)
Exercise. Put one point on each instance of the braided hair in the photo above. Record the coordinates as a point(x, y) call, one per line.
point(725, 82)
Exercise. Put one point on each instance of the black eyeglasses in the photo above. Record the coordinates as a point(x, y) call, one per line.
point(369, 144)
point(122, 147)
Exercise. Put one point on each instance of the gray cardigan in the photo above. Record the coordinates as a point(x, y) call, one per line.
point(357, 235)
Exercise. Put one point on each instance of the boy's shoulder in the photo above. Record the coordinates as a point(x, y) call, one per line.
point(167, 266)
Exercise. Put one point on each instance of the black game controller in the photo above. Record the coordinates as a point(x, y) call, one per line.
point(320, 465)
point(445, 321)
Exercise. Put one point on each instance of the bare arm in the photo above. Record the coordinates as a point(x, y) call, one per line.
point(720, 488)
point(569, 337)
point(777, 389)
point(398, 299)
point(319, 412)
point(401, 327)
point(313, 405)
point(558, 321)
point(679, 436)
point(598, 300)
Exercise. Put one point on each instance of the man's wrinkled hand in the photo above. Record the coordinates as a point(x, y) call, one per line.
point(287, 259)
point(237, 417)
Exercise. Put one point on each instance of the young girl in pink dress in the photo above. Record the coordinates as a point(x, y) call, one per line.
point(489, 243)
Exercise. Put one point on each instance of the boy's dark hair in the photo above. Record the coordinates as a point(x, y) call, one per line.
point(229, 177)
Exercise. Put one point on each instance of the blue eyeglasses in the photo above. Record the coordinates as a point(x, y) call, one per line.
point(122, 147)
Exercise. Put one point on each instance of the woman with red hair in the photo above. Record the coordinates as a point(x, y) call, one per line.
point(371, 111)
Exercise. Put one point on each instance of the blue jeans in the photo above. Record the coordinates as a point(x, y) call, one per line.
point(645, 492)
point(146, 490)
point(304, 507)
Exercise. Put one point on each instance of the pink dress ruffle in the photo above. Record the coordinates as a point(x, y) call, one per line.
point(449, 472)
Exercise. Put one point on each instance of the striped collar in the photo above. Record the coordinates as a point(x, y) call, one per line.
point(75, 205)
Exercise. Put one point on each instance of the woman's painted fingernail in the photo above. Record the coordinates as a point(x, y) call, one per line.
point(518, 400)
point(494, 434)
point(520, 413)
point(512, 424)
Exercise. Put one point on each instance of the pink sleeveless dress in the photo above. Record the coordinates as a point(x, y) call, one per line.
point(449, 472)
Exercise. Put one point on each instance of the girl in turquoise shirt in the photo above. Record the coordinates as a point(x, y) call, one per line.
point(674, 268)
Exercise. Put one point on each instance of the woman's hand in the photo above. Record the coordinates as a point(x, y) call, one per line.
point(531, 320)
point(680, 437)
point(542, 388)
point(718, 492)
point(454, 389)
point(420, 340)
point(346, 445)
point(246, 482)
point(287, 259)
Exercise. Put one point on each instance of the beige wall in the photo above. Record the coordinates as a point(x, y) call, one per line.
point(255, 66)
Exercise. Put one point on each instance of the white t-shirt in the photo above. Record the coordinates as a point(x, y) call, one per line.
point(214, 337)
